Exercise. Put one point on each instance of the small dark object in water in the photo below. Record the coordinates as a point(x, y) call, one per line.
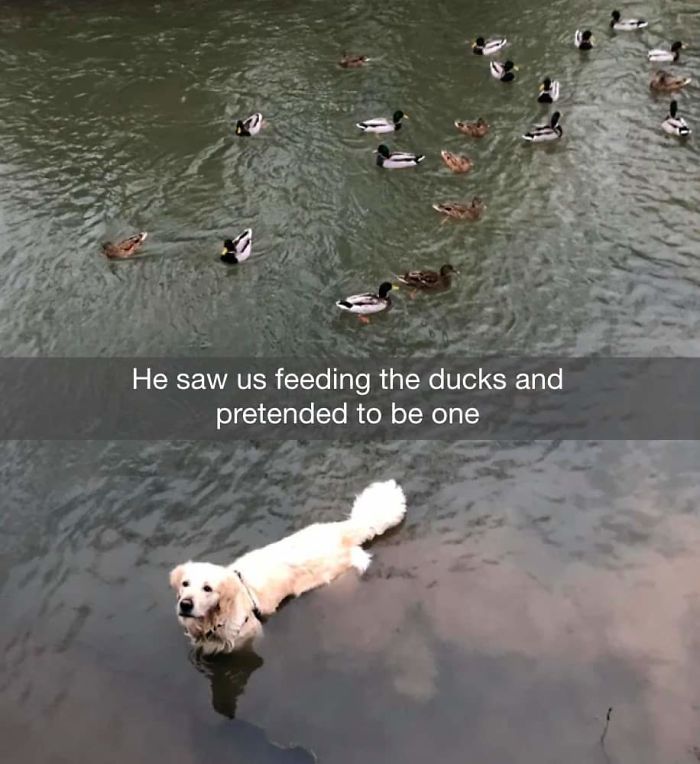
point(607, 724)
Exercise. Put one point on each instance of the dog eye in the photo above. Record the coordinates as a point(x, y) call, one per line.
point(206, 588)
point(185, 583)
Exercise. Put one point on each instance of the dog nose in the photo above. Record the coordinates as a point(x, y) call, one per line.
point(186, 606)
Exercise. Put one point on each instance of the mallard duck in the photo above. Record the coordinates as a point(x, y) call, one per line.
point(383, 125)
point(664, 82)
point(482, 48)
point(659, 54)
point(476, 129)
point(428, 280)
point(125, 248)
point(367, 303)
point(503, 72)
point(396, 159)
point(237, 250)
point(544, 133)
point(583, 40)
point(626, 25)
point(250, 126)
point(352, 61)
point(470, 211)
point(456, 162)
point(549, 91)
point(675, 125)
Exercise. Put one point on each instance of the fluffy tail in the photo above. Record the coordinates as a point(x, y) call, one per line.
point(379, 507)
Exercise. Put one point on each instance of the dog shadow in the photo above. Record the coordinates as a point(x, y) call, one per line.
point(228, 675)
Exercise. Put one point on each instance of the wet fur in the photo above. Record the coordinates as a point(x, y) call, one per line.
point(226, 617)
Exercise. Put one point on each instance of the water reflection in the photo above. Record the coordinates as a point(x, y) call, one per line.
point(228, 676)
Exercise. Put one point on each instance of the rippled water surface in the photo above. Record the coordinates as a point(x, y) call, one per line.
point(532, 586)
point(117, 116)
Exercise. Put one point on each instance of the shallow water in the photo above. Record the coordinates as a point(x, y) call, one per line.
point(532, 586)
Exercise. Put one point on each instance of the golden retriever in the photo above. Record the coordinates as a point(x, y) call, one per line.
point(222, 607)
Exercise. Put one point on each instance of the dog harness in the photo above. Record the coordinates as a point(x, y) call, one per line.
point(256, 609)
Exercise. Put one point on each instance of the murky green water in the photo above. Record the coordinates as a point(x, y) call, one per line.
point(117, 116)
point(533, 586)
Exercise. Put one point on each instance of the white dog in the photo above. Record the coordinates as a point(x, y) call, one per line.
point(221, 608)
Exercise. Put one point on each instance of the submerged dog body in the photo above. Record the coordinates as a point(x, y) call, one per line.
point(221, 607)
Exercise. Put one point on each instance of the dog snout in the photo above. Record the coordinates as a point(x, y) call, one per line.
point(186, 606)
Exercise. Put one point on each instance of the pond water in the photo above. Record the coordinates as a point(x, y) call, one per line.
point(532, 586)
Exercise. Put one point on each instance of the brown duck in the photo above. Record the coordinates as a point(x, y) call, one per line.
point(476, 129)
point(429, 281)
point(123, 249)
point(665, 82)
point(456, 162)
point(352, 61)
point(472, 210)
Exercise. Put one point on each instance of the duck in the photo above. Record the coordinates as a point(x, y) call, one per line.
point(428, 280)
point(125, 248)
point(503, 72)
point(664, 82)
point(549, 91)
point(583, 40)
point(352, 61)
point(237, 250)
point(472, 210)
point(394, 160)
point(659, 54)
point(482, 48)
point(383, 125)
point(456, 162)
point(249, 126)
point(675, 125)
point(476, 129)
point(546, 133)
point(363, 305)
point(626, 25)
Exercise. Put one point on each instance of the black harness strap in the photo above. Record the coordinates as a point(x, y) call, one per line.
point(256, 610)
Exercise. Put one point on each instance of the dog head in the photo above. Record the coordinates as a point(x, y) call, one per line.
point(198, 586)
point(207, 594)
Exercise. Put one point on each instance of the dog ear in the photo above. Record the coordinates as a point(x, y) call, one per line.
point(176, 576)
point(230, 591)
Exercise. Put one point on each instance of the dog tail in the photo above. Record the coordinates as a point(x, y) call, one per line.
point(379, 507)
